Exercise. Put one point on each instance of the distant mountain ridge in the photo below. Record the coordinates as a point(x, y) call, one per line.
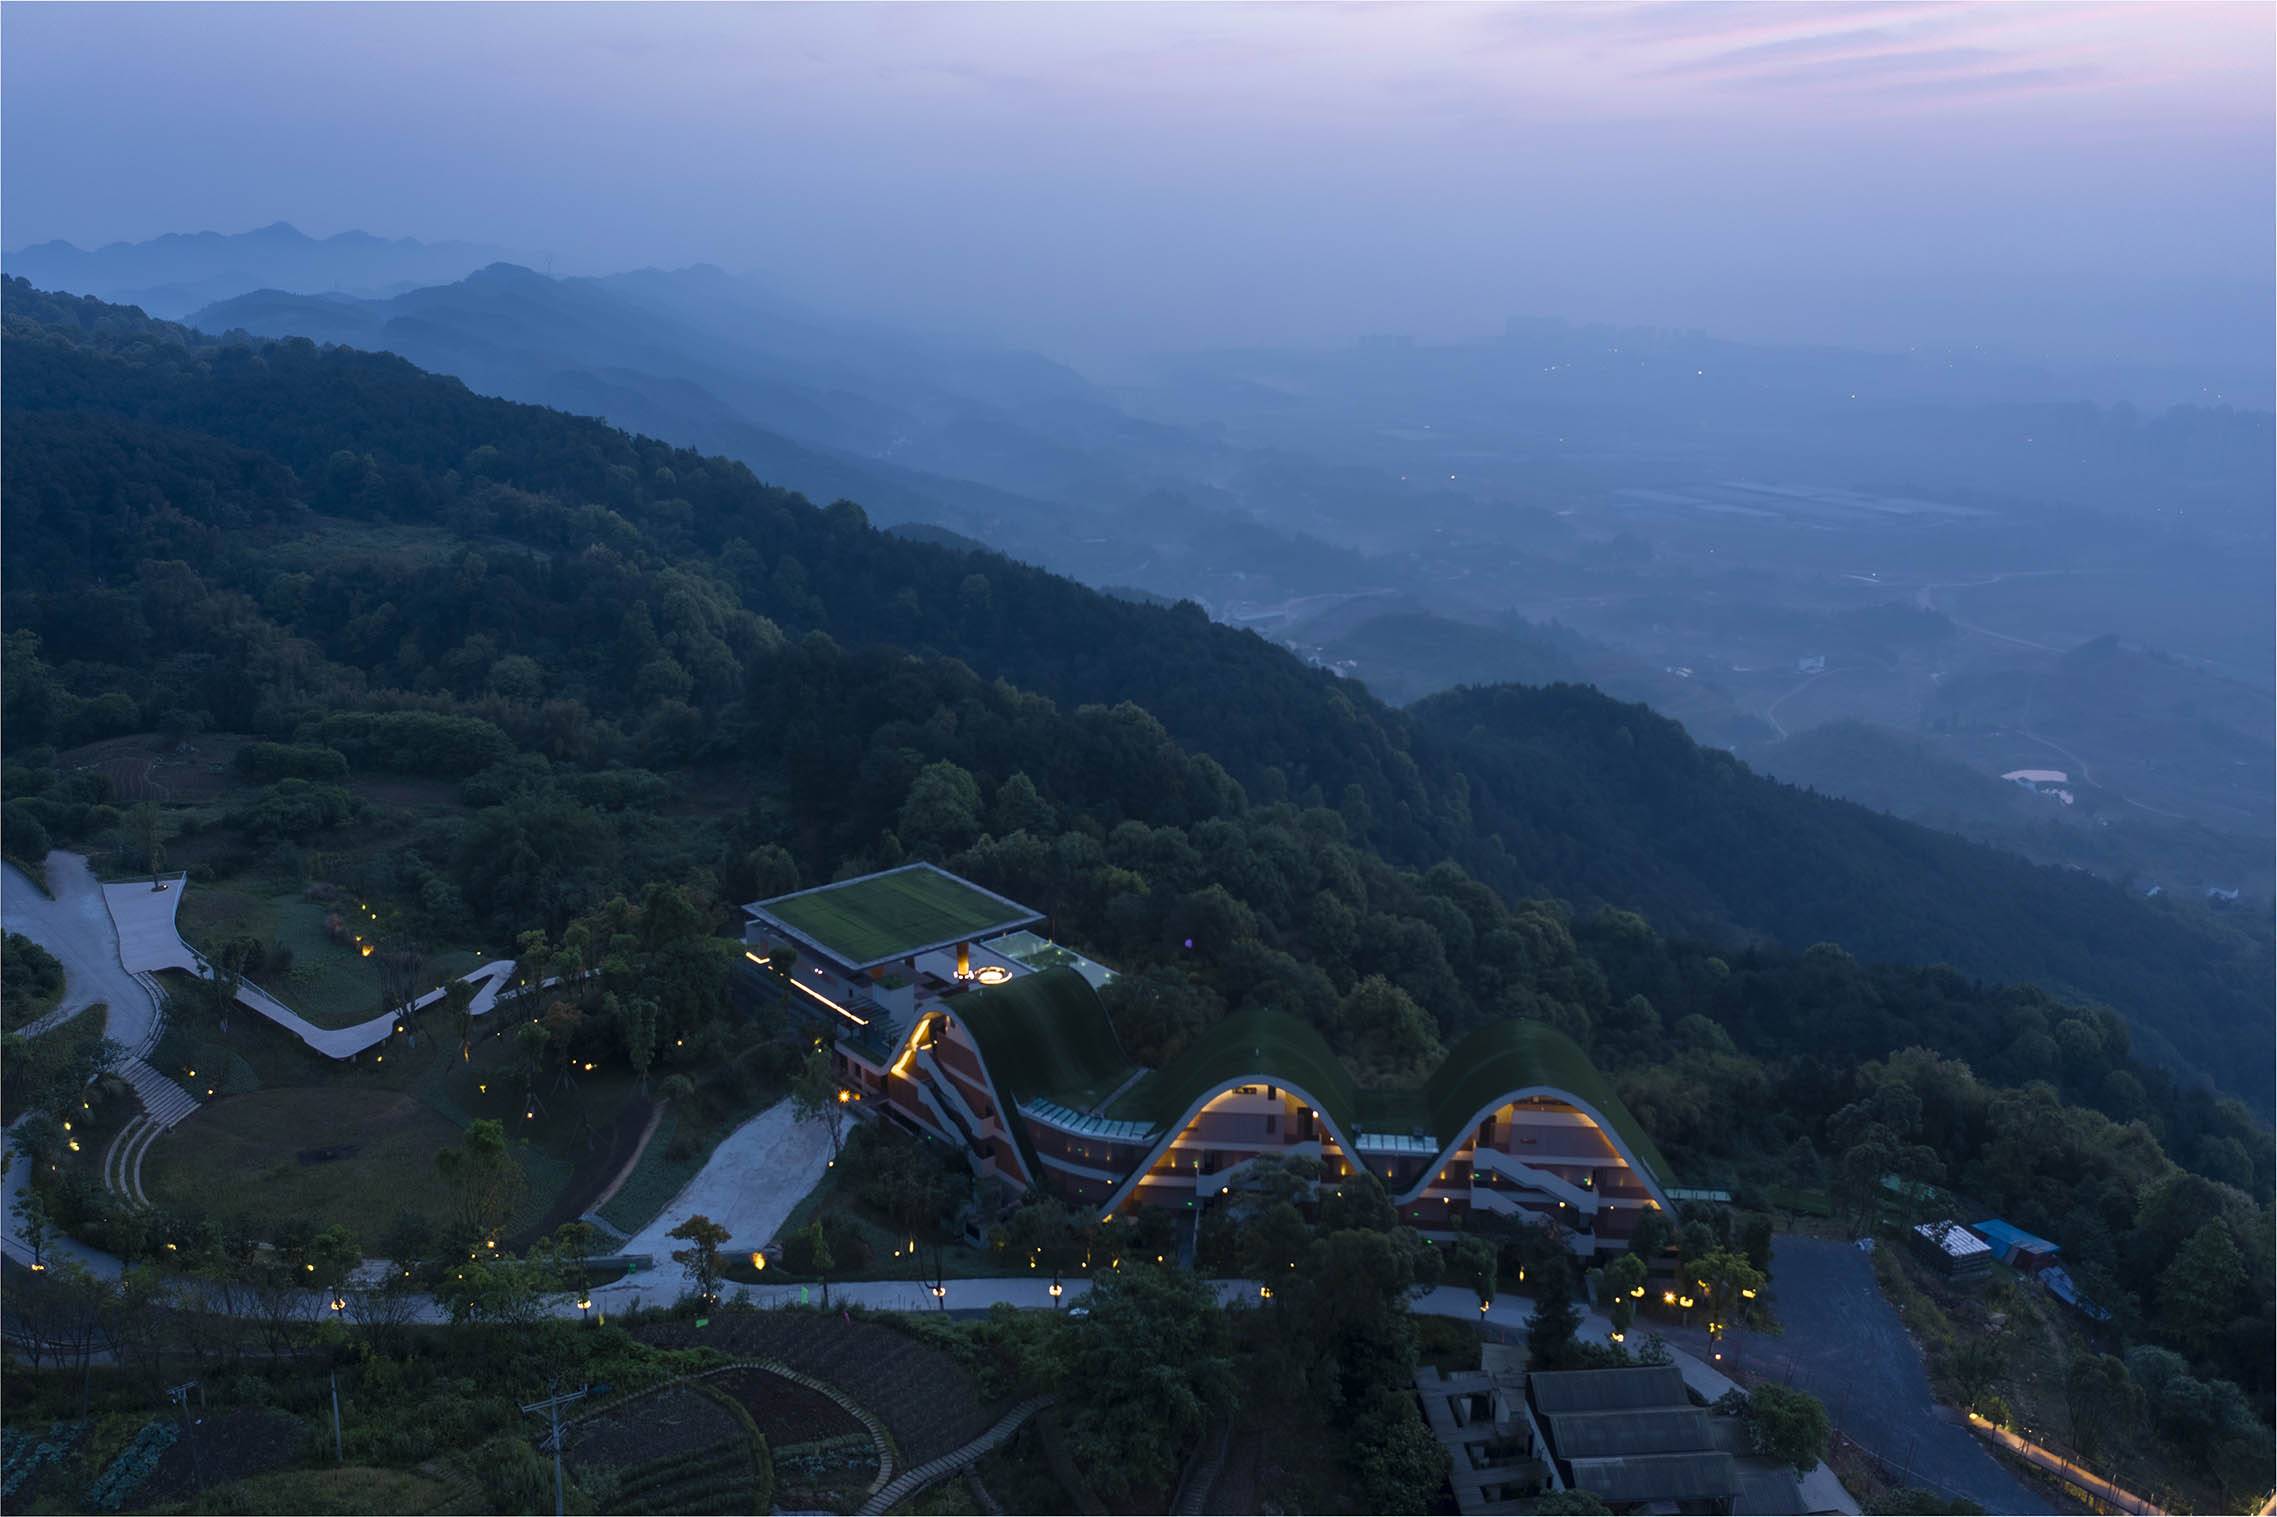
point(171, 276)
point(1002, 446)
point(219, 448)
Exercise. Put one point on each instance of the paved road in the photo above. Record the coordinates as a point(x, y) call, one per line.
point(76, 927)
point(1846, 1344)
point(753, 1179)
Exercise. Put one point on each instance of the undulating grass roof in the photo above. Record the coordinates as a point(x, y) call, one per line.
point(895, 915)
point(1045, 1037)
point(1271, 1045)
point(1514, 1054)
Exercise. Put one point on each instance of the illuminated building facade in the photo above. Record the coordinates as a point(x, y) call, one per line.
point(955, 1021)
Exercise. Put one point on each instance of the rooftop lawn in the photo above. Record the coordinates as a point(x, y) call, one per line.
point(889, 916)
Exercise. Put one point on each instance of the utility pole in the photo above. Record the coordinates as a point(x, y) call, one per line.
point(553, 1405)
point(180, 1396)
point(554, 1402)
point(339, 1456)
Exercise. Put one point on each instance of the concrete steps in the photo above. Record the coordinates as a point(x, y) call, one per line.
point(164, 1105)
point(166, 1102)
point(1194, 1490)
point(908, 1484)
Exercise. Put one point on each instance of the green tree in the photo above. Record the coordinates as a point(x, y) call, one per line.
point(145, 826)
point(1978, 1368)
point(1730, 1288)
point(1624, 1277)
point(1020, 807)
point(1475, 1263)
point(2101, 1398)
point(34, 1225)
point(815, 1097)
point(819, 1258)
point(1396, 1462)
point(1549, 1333)
point(2200, 1288)
point(531, 1042)
point(1147, 1372)
point(1653, 1234)
point(636, 1024)
point(483, 1183)
point(942, 813)
point(1158, 1009)
point(700, 1259)
point(458, 1015)
point(1391, 1037)
point(1787, 1425)
point(773, 871)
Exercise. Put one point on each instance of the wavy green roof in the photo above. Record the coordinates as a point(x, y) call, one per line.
point(1269, 1044)
point(1045, 1037)
point(1515, 1054)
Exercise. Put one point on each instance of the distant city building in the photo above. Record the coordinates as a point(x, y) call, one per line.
point(1811, 663)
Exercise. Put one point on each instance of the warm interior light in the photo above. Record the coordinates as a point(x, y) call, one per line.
point(367, 950)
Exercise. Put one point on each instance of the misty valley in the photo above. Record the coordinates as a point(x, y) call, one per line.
point(1894, 579)
point(1450, 760)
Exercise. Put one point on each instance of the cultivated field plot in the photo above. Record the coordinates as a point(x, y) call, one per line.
point(677, 1450)
point(144, 767)
point(824, 1458)
point(227, 1445)
point(927, 1402)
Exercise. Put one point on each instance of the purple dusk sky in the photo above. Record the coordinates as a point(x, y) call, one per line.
point(2087, 180)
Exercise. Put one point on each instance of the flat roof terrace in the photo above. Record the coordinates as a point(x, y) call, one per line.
point(883, 918)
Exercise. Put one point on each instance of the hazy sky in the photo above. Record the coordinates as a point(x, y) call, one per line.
point(2086, 180)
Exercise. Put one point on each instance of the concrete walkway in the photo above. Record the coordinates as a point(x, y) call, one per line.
point(749, 1186)
point(76, 926)
point(79, 926)
point(148, 940)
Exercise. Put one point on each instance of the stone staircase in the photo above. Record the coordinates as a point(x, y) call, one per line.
point(1193, 1497)
point(164, 1104)
point(910, 1482)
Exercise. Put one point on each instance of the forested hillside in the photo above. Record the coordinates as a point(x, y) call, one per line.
point(586, 668)
point(257, 534)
